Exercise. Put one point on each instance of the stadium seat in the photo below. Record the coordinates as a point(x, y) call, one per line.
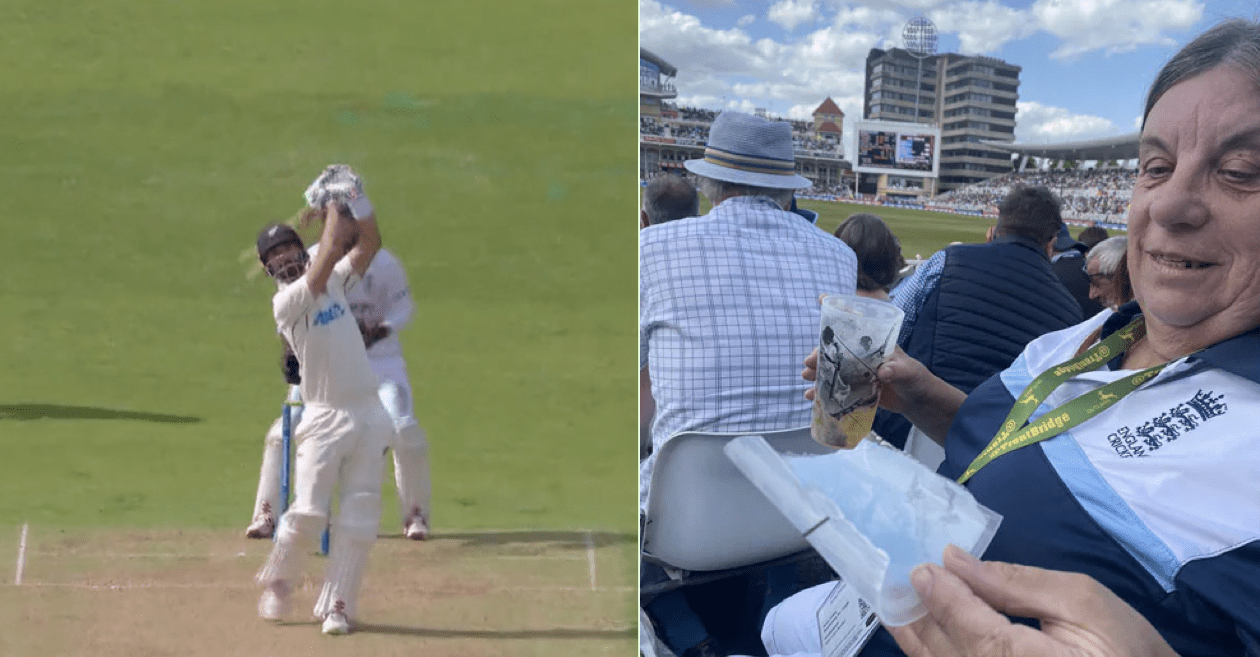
point(706, 521)
point(924, 449)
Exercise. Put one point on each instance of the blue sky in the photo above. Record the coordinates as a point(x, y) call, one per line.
point(1086, 63)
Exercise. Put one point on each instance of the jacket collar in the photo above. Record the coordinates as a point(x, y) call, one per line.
point(1238, 355)
point(1022, 241)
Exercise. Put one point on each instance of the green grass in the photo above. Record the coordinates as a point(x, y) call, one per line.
point(921, 232)
point(146, 143)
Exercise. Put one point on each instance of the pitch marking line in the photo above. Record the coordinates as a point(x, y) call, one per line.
point(588, 536)
point(240, 555)
point(132, 586)
point(590, 557)
point(21, 557)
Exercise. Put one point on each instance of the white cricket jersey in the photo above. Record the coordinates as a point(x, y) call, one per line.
point(326, 339)
point(383, 296)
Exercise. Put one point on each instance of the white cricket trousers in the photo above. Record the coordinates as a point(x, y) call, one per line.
point(408, 440)
point(335, 447)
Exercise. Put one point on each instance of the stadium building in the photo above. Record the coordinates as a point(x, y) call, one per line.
point(656, 83)
point(670, 135)
point(972, 100)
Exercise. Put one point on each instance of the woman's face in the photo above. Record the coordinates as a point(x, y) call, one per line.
point(1194, 223)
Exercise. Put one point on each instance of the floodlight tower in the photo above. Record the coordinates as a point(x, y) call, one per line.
point(919, 37)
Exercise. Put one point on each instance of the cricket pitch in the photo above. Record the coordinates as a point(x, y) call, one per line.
point(114, 592)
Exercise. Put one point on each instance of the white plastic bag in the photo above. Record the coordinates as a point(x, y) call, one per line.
point(874, 513)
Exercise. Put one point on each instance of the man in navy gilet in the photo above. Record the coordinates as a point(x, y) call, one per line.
point(971, 308)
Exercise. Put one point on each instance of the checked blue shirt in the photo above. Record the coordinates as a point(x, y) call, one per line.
point(912, 292)
point(728, 311)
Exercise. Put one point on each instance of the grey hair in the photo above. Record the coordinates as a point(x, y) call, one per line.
point(669, 197)
point(1235, 42)
point(720, 190)
point(1108, 253)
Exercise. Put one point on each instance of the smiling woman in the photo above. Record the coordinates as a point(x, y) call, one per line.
point(1130, 501)
point(1194, 253)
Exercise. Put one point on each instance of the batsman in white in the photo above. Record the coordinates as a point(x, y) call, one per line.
point(382, 306)
point(345, 429)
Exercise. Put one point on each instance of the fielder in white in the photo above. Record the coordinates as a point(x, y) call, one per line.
point(382, 306)
point(345, 429)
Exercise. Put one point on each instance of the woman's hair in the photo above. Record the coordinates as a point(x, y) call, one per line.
point(1235, 42)
point(878, 251)
point(1123, 285)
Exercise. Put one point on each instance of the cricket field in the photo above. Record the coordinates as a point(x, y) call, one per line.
point(146, 144)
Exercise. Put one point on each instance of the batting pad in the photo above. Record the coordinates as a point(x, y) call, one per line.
point(269, 476)
point(411, 474)
point(285, 561)
point(359, 516)
point(397, 404)
point(349, 556)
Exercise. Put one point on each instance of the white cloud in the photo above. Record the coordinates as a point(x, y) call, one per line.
point(981, 27)
point(777, 75)
point(801, 112)
point(1113, 26)
point(697, 50)
point(1039, 123)
point(745, 21)
point(790, 13)
point(1137, 122)
point(867, 17)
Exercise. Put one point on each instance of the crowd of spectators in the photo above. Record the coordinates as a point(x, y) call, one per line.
point(649, 125)
point(696, 114)
point(1087, 194)
point(655, 85)
point(693, 123)
point(833, 190)
point(808, 142)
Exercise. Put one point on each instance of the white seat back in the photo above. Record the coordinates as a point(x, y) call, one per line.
point(704, 515)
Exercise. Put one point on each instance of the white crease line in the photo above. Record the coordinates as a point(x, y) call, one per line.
point(590, 557)
point(554, 557)
point(131, 586)
point(21, 558)
point(238, 555)
point(144, 555)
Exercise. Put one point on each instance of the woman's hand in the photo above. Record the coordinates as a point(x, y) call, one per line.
point(967, 598)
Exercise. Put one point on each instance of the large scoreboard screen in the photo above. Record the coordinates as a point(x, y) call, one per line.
point(900, 149)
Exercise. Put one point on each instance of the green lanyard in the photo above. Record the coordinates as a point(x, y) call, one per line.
point(1011, 437)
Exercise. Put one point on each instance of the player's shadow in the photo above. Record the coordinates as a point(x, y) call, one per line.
point(573, 540)
point(452, 633)
point(60, 412)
